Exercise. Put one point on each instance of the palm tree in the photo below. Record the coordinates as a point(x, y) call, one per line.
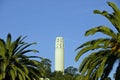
point(104, 52)
point(14, 63)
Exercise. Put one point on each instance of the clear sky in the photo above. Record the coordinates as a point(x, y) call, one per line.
point(43, 20)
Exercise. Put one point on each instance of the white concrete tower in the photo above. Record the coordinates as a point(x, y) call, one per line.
point(59, 54)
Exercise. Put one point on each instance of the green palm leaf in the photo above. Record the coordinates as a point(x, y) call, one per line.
point(92, 45)
point(102, 41)
point(2, 48)
point(8, 41)
point(102, 29)
point(12, 74)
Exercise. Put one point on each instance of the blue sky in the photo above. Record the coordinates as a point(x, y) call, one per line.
point(43, 20)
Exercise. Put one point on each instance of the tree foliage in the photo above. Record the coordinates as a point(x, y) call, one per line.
point(104, 51)
point(15, 64)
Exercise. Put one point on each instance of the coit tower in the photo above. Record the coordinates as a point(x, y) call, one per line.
point(59, 54)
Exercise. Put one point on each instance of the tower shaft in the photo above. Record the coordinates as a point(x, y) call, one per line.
point(59, 54)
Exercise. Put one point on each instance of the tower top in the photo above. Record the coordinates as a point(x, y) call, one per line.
point(59, 37)
point(59, 42)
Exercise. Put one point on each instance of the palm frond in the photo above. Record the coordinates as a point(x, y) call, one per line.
point(26, 46)
point(114, 7)
point(114, 18)
point(2, 48)
point(86, 49)
point(94, 63)
point(12, 74)
point(101, 41)
point(102, 29)
point(8, 41)
point(100, 70)
point(14, 45)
